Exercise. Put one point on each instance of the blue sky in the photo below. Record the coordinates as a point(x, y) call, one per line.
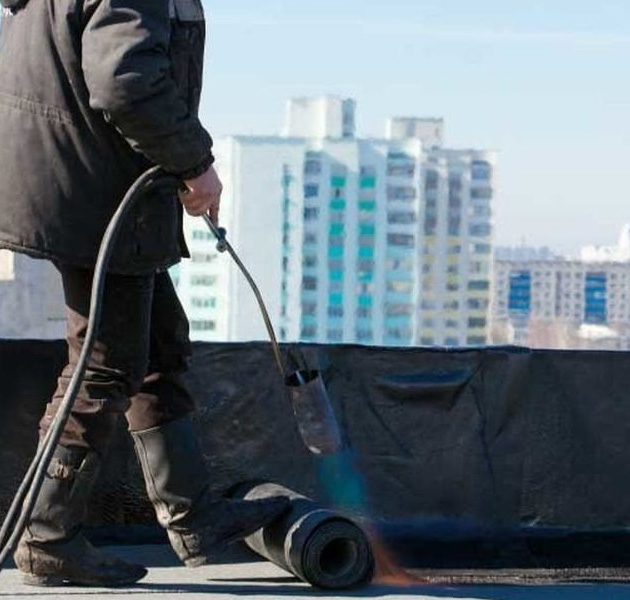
point(546, 84)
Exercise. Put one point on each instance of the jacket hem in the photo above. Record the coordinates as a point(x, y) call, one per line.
point(88, 263)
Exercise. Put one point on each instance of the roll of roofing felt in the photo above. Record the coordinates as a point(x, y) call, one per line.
point(319, 546)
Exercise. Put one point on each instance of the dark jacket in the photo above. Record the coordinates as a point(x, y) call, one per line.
point(93, 92)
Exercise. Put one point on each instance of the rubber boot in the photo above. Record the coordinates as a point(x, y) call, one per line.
point(200, 525)
point(52, 550)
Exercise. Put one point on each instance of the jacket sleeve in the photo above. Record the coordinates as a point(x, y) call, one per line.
point(127, 69)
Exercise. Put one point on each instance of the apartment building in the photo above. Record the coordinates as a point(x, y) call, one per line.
point(545, 300)
point(383, 241)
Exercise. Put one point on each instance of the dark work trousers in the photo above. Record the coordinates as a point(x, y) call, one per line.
point(141, 350)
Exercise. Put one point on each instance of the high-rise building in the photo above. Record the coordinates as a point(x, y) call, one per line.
point(545, 300)
point(31, 299)
point(380, 241)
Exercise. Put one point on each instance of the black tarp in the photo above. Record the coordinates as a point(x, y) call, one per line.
point(480, 444)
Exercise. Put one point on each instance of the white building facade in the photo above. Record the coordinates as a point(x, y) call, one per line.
point(557, 302)
point(374, 241)
point(31, 299)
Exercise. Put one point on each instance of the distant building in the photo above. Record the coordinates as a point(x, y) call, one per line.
point(31, 299)
point(379, 241)
point(559, 302)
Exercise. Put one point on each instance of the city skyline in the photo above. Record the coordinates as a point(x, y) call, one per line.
point(540, 85)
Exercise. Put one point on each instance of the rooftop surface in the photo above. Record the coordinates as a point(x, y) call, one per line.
point(265, 581)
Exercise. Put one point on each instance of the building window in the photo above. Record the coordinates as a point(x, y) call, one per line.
point(365, 302)
point(309, 309)
point(335, 299)
point(312, 166)
point(480, 210)
point(366, 241)
point(401, 218)
point(203, 325)
point(364, 312)
point(336, 275)
point(368, 182)
point(309, 283)
point(477, 323)
point(454, 202)
point(311, 190)
point(335, 252)
point(367, 206)
point(335, 335)
point(480, 229)
point(481, 170)
point(484, 193)
point(520, 298)
point(337, 205)
point(309, 331)
point(335, 264)
point(431, 180)
point(364, 335)
point(335, 286)
point(365, 288)
point(202, 257)
point(401, 169)
point(336, 229)
point(595, 298)
point(480, 268)
point(338, 181)
point(336, 240)
point(481, 249)
point(478, 303)
point(197, 302)
point(430, 225)
point(454, 225)
point(203, 280)
point(400, 287)
point(202, 235)
point(479, 285)
point(399, 333)
point(337, 217)
point(401, 239)
point(311, 213)
point(335, 311)
point(399, 264)
point(398, 310)
point(455, 184)
point(405, 192)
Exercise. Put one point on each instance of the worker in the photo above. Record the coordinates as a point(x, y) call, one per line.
point(92, 93)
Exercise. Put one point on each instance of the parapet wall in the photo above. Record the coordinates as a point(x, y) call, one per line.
point(498, 437)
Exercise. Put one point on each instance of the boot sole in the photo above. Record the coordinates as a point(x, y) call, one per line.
point(49, 581)
point(43, 580)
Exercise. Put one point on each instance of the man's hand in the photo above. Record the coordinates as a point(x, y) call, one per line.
point(203, 195)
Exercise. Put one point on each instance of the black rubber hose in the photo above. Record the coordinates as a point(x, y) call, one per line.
point(22, 507)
